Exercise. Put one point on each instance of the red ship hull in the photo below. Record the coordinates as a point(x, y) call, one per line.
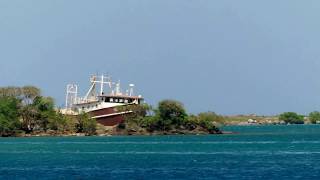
point(108, 116)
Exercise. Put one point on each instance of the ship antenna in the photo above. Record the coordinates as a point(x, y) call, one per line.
point(71, 96)
point(102, 84)
point(131, 89)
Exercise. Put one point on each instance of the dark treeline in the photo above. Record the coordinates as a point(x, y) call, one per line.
point(295, 118)
point(170, 117)
point(23, 110)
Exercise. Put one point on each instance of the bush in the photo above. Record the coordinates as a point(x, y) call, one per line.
point(86, 124)
point(171, 114)
point(291, 118)
point(61, 123)
point(211, 117)
point(136, 115)
point(9, 116)
point(150, 123)
point(314, 117)
point(192, 122)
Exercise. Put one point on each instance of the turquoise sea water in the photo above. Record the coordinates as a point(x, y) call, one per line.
point(256, 152)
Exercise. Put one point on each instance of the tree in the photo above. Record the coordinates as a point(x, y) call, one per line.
point(86, 124)
point(192, 122)
point(291, 118)
point(25, 97)
point(9, 116)
point(29, 93)
point(211, 117)
point(61, 123)
point(45, 112)
point(171, 113)
point(29, 115)
point(10, 91)
point(314, 117)
point(136, 114)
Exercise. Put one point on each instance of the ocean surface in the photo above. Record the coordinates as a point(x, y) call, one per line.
point(255, 152)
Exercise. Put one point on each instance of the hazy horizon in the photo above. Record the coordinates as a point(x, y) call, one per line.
point(231, 57)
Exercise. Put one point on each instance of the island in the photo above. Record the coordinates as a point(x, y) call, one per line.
point(25, 112)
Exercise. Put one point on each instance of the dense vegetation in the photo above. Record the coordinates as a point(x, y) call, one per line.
point(25, 110)
point(169, 117)
point(291, 118)
point(314, 117)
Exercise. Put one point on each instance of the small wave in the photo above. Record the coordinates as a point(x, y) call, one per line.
point(31, 143)
point(169, 152)
point(26, 152)
point(297, 152)
point(305, 142)
point(158, 142)
point(176, 142)
point(193, 153)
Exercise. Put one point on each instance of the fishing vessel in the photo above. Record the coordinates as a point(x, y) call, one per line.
point(102, 101)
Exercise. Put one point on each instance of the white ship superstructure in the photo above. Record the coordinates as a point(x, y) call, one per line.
point(101, 100)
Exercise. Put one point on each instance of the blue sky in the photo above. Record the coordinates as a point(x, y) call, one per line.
point(231, 57)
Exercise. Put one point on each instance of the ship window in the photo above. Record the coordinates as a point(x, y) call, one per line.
point(126, 101)
point(121, 100)
point(117, 100)
point(111, 99)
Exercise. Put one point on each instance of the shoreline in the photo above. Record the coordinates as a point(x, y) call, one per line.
point(137, 134)
point(119, 134)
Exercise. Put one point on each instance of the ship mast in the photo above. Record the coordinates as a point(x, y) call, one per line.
point(91, 94)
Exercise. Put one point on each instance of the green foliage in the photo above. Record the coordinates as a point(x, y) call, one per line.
point(45, 111)
point(26, 94)
point(30, 92)
point(10, 91)
point(29, 118)
point(9, 117)
point(149, 122)
point(291, 118)
point(136, 115)
point(61, 123)
point(208, 121)
point(23, 108)
point(86, 124)
point(192, 122)
point(314, 117)
point(171, 114)
point(211, 117)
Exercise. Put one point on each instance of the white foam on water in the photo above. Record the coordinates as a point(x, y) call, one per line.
point(176, 142)
point(161, 142)
point(31, 143)
point(26, 152)
point(169, 152)
point(305, 142)
point(198, 153)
